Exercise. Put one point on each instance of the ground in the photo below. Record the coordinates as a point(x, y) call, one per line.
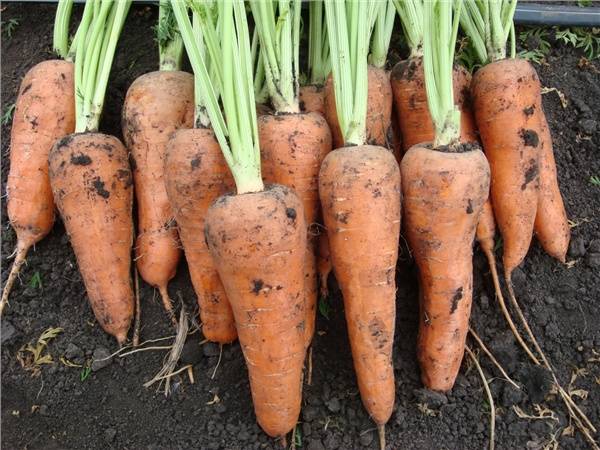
point(66, 407)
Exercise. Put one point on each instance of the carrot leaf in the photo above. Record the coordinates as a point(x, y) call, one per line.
point(170, 45)
point(61, 28)
point(319, 61)
point(411, 16)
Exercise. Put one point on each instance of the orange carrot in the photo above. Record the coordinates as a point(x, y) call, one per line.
point(156, 104)
point(551, 225)
point(196, 175)
point(360, 192)
point(258, 243)
point(292, 149)
point(444, 192)
point(503, 91)
point(312, 99)
point(444, 185)
point(44, 112)
point(92, 187)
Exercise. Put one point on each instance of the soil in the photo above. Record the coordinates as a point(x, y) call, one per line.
point(65, 407)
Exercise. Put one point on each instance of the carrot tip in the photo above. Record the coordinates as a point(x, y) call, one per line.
point(12, 276)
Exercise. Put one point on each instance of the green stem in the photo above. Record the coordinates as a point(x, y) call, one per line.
point(440, 28)
point(170, 45)
point(411, 16)
point(234, 124)
point(382, 33)
point(61, 28)
point(279, 33)
point(319, 62)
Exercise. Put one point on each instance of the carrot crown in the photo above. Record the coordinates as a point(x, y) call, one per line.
point(170, 45)
point(278, 28)
point(235, 124)
point(440, 29)
point(411, 16)
point(319, 60)
point(349, 25)
point(96, 38)
point(382, 33)
point(61, 29)
point(489, 23)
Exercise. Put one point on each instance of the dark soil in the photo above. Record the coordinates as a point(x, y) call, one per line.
point(61, 408)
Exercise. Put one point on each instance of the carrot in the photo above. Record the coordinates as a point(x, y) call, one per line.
point(293, 144)
point(444, 185)
point(44, 112)
point(257, 237)
point(551, 224)
point(157, 104)
point(292, 149)
point(512, 148)
point(312, 99)
point(91, 179)
point(359, 187)
point(91, 182)
point(195, 176)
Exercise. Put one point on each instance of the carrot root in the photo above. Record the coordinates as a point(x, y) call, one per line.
point(12, 276)
point(381, 432)
point(168, 304)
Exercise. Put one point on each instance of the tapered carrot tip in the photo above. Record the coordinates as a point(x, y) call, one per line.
point(167, 303)
point(12, 276)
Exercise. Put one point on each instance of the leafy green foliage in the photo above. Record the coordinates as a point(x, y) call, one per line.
point(36, 281)
point(8, 113)
point(595, 180)
point(535, 41)
point(166, 29)
point(298, 437)
point(466, 54)
point(9, 27)
point(85, 373)
point(537, 46)
point(324, 307)
point(587, 39)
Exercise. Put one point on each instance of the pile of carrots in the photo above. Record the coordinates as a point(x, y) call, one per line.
point(265, 206)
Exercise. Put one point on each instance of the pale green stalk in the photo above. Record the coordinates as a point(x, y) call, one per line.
point(278, 27)
point(233, 119)
point(382, 33)
point(61, 28)
point(411, 16)
point(440, 29)
point(319, 62)
point(489, 25)
point(349, 26)
point(95, 52)
point(170, 45)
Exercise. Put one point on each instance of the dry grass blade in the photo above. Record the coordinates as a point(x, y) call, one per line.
point(541, 413)
point(168, 368)
point(492, 358)
point(488, 392)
